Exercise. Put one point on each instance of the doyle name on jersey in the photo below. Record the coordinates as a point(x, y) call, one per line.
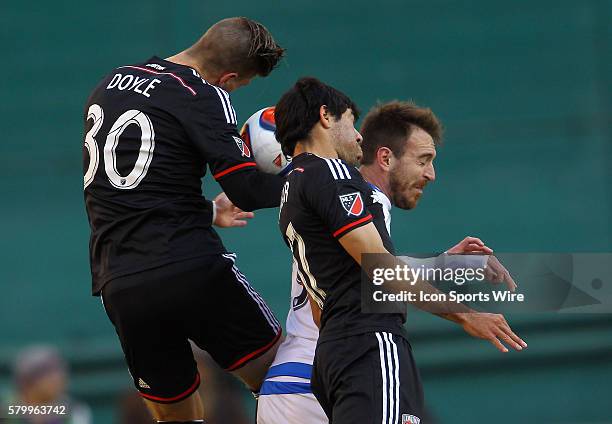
point(323, 200)
point(150, 130)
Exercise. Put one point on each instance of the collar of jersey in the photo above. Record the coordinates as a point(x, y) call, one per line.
point(376, 188)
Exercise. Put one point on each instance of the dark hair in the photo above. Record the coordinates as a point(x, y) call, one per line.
point(297, 111)
point(240, 45)
point(391, 124)
point(263, 50)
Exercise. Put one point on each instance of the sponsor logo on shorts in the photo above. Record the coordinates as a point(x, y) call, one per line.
point(142, 384)
point(410, 419)
point(352, 203)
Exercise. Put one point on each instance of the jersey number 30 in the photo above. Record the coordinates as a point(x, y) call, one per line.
point(145, 155)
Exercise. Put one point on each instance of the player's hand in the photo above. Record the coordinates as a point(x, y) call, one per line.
point(229, 215)
point(470, 245)
point(496, 273)
point(491, 327)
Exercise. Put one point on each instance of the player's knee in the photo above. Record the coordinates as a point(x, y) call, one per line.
point(187, 410)
point(181, 422)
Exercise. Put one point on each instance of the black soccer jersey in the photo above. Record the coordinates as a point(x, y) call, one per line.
point(150, 130)
point(322, 200)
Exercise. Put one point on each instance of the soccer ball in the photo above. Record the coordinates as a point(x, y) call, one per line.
point(258, 134)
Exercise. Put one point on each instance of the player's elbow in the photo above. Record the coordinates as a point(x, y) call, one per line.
point(243, 201)
point(251, 190)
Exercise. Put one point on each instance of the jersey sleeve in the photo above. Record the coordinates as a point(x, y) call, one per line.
point(340, 204)
point(211, 123)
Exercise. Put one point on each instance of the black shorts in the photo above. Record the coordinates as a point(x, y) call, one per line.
point(368, 378)
point(206, 300)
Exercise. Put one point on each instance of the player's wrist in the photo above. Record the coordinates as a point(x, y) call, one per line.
point(458, 318)
point(468, 261)
point(214, 212)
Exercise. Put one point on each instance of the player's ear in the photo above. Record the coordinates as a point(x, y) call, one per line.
point(384, 156)
point(227, 78)
point(324, 117)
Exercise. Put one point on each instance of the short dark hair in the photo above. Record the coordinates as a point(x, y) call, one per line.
point(240, 45)
point(297, 111)
point(263, 50)
point(391, 124)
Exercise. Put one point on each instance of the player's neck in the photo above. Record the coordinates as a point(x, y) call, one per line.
point(185, 59)
point(315, 147)
point(373, 176)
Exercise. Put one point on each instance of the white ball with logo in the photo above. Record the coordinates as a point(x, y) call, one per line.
point(258, 134)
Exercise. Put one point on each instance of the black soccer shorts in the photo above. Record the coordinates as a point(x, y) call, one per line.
point(206, 300)
point(368, 378)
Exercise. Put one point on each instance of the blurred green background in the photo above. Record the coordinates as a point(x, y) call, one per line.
point(523, 88)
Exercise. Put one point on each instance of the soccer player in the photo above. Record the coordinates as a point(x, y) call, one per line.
point(363, 367)
point(161, 269)
point(392, 168)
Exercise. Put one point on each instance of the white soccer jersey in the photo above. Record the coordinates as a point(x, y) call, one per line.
point(286, 396)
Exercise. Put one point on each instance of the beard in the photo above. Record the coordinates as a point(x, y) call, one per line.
point(347, 149)
point(399, 187)
point(351, 155)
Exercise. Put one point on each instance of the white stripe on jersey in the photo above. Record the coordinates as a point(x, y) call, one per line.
point(338, 169)
point(396, 377)
point(331, 168)
point(227, 118)
point(229, 103)
point(384, 379)
point(389, 366)
point(254, 295)
point(342, 167)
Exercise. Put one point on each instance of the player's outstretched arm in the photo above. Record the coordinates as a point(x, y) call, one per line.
point(366, 240)
point(227, 215)
point(492, 327)
point(495, 272)
point(251, 189)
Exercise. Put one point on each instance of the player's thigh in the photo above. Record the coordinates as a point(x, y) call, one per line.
point(368, 378)
point(290, 409)
point(253, 372)
point(149, 321)
point(321, 380)
point(349, 380)
point(237, 329)
point(343, 377)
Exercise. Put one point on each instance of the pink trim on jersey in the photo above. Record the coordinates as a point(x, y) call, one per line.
point(176, 77)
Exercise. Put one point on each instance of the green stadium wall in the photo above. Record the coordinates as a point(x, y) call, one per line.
point(523, 88)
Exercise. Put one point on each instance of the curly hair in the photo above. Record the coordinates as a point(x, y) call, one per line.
point(390, 125)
